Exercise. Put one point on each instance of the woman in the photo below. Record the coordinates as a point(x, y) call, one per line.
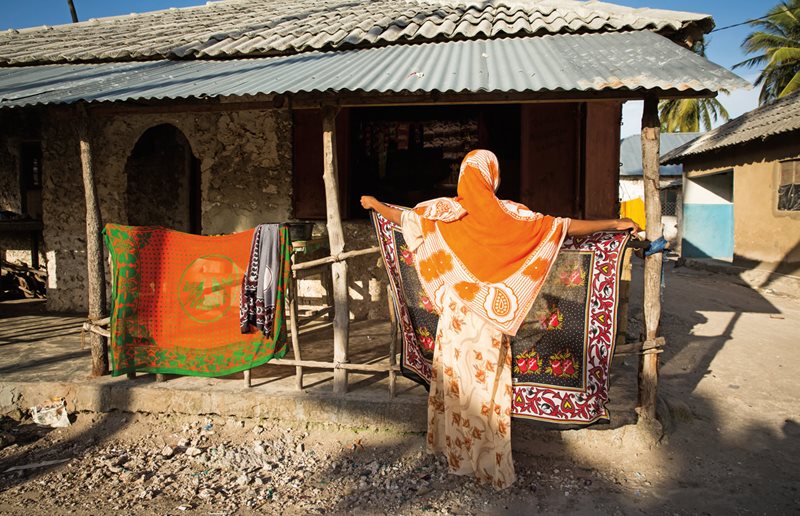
point(482, 262)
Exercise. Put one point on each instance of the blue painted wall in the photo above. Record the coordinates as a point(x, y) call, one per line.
point(708, 231)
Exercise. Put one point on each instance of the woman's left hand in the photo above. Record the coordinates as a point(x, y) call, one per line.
point(368, 202)
point(627, 224)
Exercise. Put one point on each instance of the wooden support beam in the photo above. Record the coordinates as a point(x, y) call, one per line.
point(314, 101)
point(341, 322)
point(648, 367)
point(293, 327)
point(336, 366)
point(334, 258)
point(94, 247)
point(392, 343)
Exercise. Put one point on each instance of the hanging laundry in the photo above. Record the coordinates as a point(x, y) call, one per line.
point(634, 210)
point(561, 356)
point(175, 300)
point(260, 283)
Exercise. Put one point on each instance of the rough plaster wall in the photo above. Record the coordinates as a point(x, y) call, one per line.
point(64, 216)
point(16, 248)
point(367, 278)
point(247, 177)
point(245, 161)
point(761, 232)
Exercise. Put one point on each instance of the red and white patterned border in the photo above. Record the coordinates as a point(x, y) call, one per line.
point(548, 403)
point(412, 360)
point(536, 401)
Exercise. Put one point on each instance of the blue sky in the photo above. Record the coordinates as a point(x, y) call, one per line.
point(724, 48)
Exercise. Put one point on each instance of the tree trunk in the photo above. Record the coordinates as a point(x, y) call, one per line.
point(341, 321)
point(648, 371)
point(94, 248)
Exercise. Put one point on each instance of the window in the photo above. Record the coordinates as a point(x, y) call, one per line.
point(789, 186)
point(669, 201)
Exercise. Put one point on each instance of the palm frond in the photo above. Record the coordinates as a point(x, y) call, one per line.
point(793, 86)
point(775, 41)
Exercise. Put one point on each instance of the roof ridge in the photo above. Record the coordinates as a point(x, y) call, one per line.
point(247, 27)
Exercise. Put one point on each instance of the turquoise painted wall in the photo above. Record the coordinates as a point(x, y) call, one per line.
point(708, 231)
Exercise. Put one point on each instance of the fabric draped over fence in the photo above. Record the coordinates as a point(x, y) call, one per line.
point(561, 355)
point(176, 297)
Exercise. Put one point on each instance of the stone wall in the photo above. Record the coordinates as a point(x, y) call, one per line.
point(245, 163)
point(367, 278)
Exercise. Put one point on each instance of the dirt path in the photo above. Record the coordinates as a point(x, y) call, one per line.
point(732, 443)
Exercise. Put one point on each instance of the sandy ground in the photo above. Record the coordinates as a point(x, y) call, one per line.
point(731, 442)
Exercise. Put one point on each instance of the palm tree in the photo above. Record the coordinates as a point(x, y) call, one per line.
point(777, 44)
point(689, 115)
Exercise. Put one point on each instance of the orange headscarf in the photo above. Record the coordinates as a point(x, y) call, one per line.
point(494, 253)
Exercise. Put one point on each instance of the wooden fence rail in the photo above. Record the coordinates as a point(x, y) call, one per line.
point(100, 327)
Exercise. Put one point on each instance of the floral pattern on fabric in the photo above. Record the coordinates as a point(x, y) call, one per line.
point(586, 327)
point(469, 406)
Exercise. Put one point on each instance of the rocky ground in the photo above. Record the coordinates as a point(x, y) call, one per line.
point(731, 442)
point(144, 464)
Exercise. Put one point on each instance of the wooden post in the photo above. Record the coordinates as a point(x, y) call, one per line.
point(94, 247)
point(648, 368)
point(679, 220)
point(392, 343)
point(341, 321)
point(293, 327)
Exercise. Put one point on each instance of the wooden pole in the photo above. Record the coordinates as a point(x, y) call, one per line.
point(648, 369)
point(73, 13)
point(331, 259)
point(336, 366)
point(392, 343)
point(293, 327)
point(341, 322)
point(94, 247)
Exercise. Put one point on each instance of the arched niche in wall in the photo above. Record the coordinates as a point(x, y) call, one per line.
point(163, 178)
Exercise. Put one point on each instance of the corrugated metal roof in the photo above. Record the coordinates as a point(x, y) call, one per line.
point(249, 28)
point(591, 62)
point(630, 153)
point(778, 117)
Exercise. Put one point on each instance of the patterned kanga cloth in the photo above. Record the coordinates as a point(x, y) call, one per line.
point(562, 353)
point(175, 306)
point(260, 281)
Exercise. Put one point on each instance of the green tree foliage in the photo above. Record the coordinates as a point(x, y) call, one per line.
point(691, 115)
point(776, 43)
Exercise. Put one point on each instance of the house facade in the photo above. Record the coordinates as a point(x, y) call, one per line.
point(208, 119)
point(631, 183)
point(742, 189)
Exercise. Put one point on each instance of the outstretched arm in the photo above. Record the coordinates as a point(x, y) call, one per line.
point(586, 227)
point(387, 212)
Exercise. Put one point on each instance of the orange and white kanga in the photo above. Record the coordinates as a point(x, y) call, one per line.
point(482, 261)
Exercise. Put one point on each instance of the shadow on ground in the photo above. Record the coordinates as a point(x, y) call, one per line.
point(731, 445)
